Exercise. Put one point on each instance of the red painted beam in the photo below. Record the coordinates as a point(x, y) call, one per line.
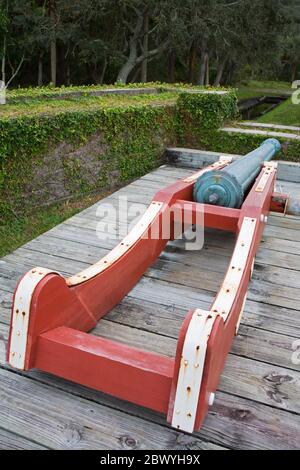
point(125, 372)
point(217, 217)
point(279, 202)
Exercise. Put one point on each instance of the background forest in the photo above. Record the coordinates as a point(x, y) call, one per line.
point(213, 42)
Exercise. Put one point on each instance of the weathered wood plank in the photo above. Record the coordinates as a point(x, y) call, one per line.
point(62, 421)
point(244, 373)
point(230, 411)
point(250, 425)
point(12, 441)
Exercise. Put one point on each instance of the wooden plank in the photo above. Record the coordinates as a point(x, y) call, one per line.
point(12, 441)
point(285, 222)
point(286, 233)
point(234, 412)
point(250, 425)
point(144, 324)
point(62, 421)
point(168, 318)
point(180, 273)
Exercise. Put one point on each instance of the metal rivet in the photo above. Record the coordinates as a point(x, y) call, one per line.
point(211, 399)
point(189, 415)
point(188, 388)
point(196, 365)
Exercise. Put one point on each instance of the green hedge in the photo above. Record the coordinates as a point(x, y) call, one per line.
point(131, 140)
point(233, 142)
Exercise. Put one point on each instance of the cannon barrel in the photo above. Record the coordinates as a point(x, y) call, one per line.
point(227, 187)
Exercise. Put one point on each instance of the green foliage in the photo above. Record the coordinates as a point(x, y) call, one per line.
point(133, 134)
point(220, 141)
point(200, 114)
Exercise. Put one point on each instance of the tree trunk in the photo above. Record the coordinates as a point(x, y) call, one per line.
point(40, 71)
point(134, 59)
point(207, 70)
point(53, 61)
point(293, 72)
point(3, 64)
point(68, 75)
point(125, 70)
point(103, 72)
point(191, 64)
point(171, 67)
point(201, 78)
point(220, 70)
point(144, 68)
point(53, 51)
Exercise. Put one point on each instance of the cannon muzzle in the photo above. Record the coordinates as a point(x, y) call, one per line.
point(228, 187)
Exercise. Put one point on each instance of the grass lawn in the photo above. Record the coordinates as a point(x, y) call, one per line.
point(262, 88)
point(15, 233)
point(286, 113)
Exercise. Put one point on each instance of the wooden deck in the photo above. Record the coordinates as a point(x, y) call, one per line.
point(257, 404)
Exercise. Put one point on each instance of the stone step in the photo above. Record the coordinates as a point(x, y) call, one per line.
point(269, 126)
point(193, 158)
point(284, 135)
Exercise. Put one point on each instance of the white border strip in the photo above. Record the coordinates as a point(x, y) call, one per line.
point(139, 230)
point(191, 370)
point(223, 161)
point(226, 296)
point(269, 167)
point(20, 315)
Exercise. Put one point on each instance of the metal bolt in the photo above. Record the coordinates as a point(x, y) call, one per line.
point(211, 399)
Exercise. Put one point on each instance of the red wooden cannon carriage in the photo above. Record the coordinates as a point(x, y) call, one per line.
point(51, 315)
